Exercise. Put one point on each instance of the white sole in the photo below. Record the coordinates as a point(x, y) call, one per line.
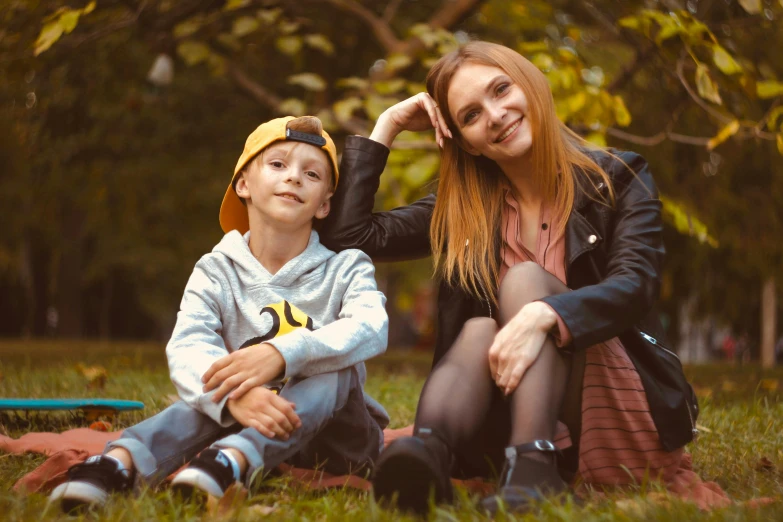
point(198, 479)
point(78, 493)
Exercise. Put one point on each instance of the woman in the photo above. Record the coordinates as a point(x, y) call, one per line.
point(550, 361)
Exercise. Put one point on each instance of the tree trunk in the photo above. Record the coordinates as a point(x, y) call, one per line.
point(69, 280)
point(105, 320)
point(768, 323)
point(28, 287)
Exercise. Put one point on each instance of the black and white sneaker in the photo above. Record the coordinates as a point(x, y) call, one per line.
point(211, 472)
point(90, 483)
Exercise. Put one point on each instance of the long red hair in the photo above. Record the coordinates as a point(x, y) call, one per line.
point(465, 224)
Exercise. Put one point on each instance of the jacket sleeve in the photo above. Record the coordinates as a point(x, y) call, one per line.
point(360, 332)
point(395, 235)
point(631, 279)
point(196, 343)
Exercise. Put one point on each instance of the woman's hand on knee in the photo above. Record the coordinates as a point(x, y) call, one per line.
point(518, 344)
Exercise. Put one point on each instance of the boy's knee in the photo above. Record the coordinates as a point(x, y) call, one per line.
point(324, 391)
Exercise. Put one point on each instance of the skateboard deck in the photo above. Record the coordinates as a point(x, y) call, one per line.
point(92, 408)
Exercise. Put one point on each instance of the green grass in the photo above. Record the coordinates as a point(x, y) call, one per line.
point(742, 411)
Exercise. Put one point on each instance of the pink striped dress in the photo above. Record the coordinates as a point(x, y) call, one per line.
point(619, 443)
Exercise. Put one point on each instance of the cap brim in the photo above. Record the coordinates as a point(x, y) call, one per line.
point(233, 214)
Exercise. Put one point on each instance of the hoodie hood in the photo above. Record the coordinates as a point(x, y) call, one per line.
point(251, 272)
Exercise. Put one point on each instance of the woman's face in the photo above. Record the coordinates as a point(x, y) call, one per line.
point(490, 111)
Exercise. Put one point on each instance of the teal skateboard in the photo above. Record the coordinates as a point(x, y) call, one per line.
point(91, 408)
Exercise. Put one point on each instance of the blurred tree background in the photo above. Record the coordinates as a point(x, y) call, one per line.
point(121, 121)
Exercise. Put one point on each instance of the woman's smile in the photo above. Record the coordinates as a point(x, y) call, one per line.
point(491, 113)
point(510, 130)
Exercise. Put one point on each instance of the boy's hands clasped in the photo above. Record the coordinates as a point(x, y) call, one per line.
point(267, 412)
point(245, 372)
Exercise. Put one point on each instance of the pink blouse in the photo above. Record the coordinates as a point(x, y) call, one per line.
point(550, 251)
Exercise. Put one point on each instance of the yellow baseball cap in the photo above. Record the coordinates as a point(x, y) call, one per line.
point(233, 214)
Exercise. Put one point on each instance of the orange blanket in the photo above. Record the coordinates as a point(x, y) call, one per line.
point(74, 446)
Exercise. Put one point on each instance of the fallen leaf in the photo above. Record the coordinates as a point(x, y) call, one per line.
point(759, 502)
point(636, 507)
point(728, 386)
point(769, 384)
point(630, 506)
point(225, 508)
point(764, 464)
point(258, 509)
point(96, 375)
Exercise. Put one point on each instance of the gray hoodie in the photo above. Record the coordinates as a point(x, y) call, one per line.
point(321, 310)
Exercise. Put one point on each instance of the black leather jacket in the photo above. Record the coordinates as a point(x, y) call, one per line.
point(613, 259)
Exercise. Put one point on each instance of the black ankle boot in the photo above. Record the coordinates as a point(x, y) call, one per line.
point(413, 468)
point(525, 480)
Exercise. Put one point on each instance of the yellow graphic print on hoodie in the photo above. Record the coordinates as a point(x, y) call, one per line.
point(285, 318)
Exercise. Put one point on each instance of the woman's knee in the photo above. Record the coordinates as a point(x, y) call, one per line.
point(474, 339)
point(526, 282)
point(479, 329)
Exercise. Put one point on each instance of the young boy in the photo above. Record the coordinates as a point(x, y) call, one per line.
point(270, 309)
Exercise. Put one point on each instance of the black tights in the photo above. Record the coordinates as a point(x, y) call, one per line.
point(460, 390)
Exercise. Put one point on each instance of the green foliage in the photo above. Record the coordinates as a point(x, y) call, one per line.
point(685, 222)
point(741, 423)
point(725, 133)
point(63, 21)
point(769, 89)
point(310, 81)
point(96, 137)
point(707, 88)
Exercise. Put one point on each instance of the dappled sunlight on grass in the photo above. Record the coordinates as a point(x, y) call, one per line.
point(742, 423)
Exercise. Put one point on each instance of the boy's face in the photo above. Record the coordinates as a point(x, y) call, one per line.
point(288, 183)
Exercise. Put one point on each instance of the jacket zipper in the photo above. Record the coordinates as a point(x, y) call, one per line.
point(652, 340)
point(489, 304)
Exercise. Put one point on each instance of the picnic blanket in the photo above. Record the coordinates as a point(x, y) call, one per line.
point(74, 446)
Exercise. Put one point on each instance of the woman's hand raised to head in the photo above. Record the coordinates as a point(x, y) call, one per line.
point(417, 113)
point(518, 344)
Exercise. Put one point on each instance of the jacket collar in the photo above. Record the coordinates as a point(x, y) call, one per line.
point(580, 235)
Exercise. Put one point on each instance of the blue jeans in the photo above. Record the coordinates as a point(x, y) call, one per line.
point(341, 432)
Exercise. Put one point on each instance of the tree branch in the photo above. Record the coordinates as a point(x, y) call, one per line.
point(182, 12)
point(656, 139)
point(599, 17)
point(110, 28)
point(452, 12)
point(271, 100)
point(254, 89)
point(631, 69)
point(380, 27)
point(695, 97)
point(391, 10)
